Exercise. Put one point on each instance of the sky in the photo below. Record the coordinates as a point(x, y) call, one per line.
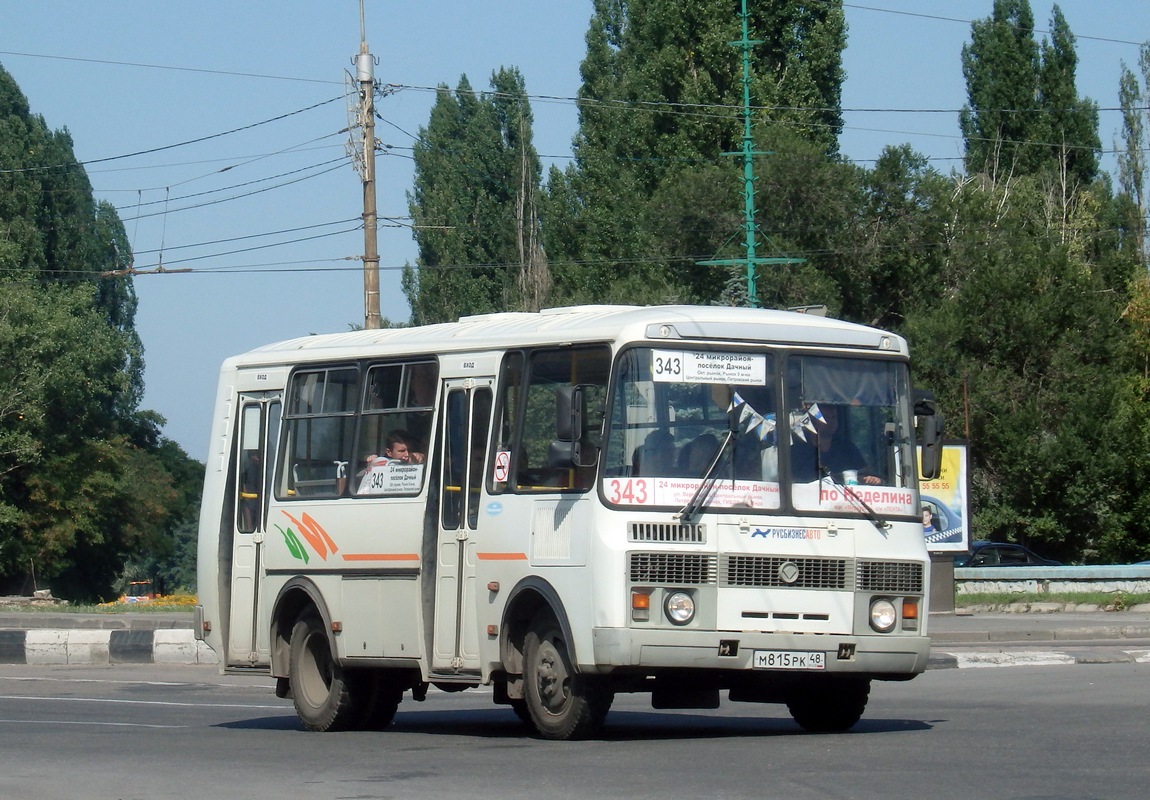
point(217, 130)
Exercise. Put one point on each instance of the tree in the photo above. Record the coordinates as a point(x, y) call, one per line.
point(1068, 124)
point(1132, 152)
point(1024, 337)
point(76, 493)
point(475, 205)
point(1023, 114)
point(81, 486)
point(167, 557)
point(659, 106)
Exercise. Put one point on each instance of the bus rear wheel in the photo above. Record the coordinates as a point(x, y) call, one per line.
point(829, 705)
point(324, 693)
point(561, 702)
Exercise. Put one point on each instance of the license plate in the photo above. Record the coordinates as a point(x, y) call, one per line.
point(790, 659)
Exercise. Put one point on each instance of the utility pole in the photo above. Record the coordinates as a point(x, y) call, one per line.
point(365, 77)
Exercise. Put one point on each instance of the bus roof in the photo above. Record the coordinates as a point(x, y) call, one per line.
point(577, 324)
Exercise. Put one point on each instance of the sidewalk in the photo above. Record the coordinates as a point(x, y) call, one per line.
point(962, 639)
point(1003, 639)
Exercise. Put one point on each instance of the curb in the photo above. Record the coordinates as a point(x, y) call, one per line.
point(1035, 658)
point(47, 646)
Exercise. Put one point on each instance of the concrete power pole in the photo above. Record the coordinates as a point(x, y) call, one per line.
point(365, 77)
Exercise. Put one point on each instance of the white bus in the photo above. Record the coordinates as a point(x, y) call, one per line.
point(566, 505)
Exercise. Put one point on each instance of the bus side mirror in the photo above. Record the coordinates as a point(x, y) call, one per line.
point(569, 413)
point(932, 430)
point(570, 433)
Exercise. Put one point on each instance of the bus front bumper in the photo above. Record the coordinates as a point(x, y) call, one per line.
point(890, 656)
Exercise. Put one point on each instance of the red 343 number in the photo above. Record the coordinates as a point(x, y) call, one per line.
point(630, 491)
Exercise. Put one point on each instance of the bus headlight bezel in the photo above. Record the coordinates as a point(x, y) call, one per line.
point(679, 607)
point(883, 614)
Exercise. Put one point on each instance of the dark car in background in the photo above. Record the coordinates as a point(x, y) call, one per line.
point(1002, 554)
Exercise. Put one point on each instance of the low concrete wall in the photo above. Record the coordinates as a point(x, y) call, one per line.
point(1045, 580)
point(96, 646)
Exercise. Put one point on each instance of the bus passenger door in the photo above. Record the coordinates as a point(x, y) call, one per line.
point(465, 422)
point(259, 420)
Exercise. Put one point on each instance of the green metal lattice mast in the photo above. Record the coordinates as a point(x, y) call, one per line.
point(750, 260)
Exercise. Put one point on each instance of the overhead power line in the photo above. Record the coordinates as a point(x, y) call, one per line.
point(236, 197)
point(234, 186)
point(56, 57)
point(965, 21)
point(171, 146)
point(296, 229)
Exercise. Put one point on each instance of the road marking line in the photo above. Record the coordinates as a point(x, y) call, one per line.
point(79, 722)
point(110, 701)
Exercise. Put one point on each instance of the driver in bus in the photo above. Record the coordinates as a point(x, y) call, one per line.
point(830, 454)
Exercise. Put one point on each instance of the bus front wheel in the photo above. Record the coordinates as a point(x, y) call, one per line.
point(562, 703)
point(322, 690)
point(830, 705)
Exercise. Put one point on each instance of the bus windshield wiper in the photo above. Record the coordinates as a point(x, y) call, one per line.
point(710, 477)
point(856, 499)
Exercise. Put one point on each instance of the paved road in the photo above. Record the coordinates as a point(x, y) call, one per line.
point(157, 731)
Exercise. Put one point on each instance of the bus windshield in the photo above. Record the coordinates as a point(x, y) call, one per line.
point(805, 432)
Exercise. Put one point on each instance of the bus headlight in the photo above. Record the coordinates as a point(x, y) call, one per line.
point(883, 615)
point(679, 608)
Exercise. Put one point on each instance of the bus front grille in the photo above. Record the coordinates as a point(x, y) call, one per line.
point(666, 533)
point(889, 576)
point(683, 569)
point(785, 572)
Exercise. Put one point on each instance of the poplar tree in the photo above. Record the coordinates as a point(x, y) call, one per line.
point(475, 205)
point(1023, 113)
point(1132, 151)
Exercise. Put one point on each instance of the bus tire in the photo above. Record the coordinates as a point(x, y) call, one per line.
point(384, 694)
point(521, 711)
point(324, 693)
point(831, 705)
point(562, 703)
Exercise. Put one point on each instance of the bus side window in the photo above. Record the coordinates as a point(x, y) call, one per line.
point(319, 422)
point(528, 416)
point(398, 401)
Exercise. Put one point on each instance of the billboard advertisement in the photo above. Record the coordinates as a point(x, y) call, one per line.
point(945, 513)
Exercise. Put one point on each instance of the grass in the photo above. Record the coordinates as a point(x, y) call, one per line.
point(1111, 601)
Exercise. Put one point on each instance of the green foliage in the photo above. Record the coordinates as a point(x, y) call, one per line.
point(660, 104)
point(1020, 283)
point(1108, 601)
point(474, 204)
point(1024, 115)
point(83, 480)
point(1025, 340)
point(67, 472)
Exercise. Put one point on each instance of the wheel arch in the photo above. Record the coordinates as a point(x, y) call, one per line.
point(294, 597)
point(529, 596)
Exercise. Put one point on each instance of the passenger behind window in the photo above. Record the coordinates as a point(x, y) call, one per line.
point(697, 454)
point(396, 451)
point(656, 456)
point(400, 447)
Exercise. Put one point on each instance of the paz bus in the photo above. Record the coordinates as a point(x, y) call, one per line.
point(682, 501)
